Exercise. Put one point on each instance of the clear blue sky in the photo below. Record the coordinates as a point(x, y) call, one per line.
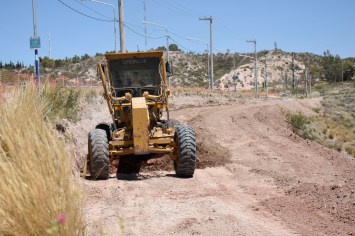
point(301, 26)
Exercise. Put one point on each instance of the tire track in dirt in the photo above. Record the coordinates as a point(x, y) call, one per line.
point(274, 183)
point(304, 172)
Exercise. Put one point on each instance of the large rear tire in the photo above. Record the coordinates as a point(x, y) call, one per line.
point(98, 154)
point(185, 164)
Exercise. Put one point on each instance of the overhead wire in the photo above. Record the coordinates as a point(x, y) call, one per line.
point(166, 5)
point(179, 36)
point(160, 37)
point(79, 12)
point(134, 25)
point(185, 8)
point(172, 8)
point(179, 44)
point(149, 37)
point(92, 9)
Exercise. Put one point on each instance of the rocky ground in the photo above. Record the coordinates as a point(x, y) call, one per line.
point(255, 177)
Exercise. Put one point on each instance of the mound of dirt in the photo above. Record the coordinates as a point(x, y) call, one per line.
point(160, 163)
point(209, 153)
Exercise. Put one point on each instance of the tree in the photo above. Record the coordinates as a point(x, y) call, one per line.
point(46, 62)
point(161, 48)
point(174, 47)
point(9, 65)
point(85, 57)
point(75, 59)
point(331, 67)
point(348, 70)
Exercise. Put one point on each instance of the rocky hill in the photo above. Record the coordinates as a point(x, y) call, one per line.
point(191, 70)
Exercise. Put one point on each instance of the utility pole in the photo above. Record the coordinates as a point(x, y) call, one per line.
point(167, 42)
point(211, 50)
point(208, 59)
point(293, 70)
point(167, 48)
point(236, 81)
point(35, 42)
point(122, 31)
point(114, 18)
point(310, 86)
point(208, 69)
point(266, 82)
point(342, 72)
point(145, 26)
point(255, 65)
point(49, 45)
point(166, 35)
point(306, 71)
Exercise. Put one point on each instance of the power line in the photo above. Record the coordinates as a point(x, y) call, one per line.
point(172, 8)
point(142, 34)
point(94, 18)
point(179, 36)
point(185, 8)
point(137, 26)
point(180, 44)
point(92, 9)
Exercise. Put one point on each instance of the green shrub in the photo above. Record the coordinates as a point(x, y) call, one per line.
point(299, 123)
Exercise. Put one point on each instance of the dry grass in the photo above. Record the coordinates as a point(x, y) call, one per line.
point(60, 102)
point(89, 94)
point(37, 192)
point(216, 92)
point(334, 125)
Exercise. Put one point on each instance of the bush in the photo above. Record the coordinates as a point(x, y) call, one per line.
point(299, 123)
point(60, 102)
point(37, 194)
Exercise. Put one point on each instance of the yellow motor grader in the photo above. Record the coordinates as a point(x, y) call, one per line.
point(136, 91)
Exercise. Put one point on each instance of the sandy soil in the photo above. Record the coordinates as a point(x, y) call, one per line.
point(264, 180)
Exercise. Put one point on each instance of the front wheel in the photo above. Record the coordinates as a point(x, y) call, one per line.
point(185, 139)
point(98, 154)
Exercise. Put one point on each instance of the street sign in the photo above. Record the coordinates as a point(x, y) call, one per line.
point(35, 42)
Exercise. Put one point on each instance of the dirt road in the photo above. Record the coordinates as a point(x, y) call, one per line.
point(274, 182)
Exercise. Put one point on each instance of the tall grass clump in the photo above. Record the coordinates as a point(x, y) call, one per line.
point(37, 193)
point(89, 94)
point(60, 102)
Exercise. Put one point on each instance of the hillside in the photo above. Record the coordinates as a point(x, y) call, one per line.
point(190, 69)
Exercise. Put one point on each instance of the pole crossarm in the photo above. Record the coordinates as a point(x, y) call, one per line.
point(205, 18)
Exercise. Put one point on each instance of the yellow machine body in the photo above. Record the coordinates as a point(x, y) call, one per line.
point(140, 126)
point(135, 88)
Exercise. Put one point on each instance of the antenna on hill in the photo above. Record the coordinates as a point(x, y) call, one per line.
point(275, 46)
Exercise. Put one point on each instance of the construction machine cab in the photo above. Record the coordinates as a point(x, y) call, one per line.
point(135, 75)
